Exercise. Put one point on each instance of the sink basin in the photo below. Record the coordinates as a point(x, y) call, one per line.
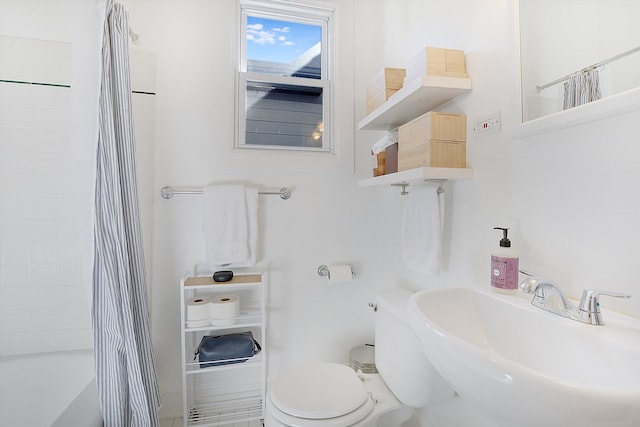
point(522, 366)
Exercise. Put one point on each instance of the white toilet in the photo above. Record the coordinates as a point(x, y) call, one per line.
point(334, 395)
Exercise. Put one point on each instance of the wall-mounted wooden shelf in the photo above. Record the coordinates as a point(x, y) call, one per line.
point(419, 174)
point(414, 99)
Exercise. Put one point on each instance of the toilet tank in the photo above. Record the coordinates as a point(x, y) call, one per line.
point(399, 359)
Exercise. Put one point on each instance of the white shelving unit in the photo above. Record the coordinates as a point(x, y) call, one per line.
point(414, 99)
point(229, 395)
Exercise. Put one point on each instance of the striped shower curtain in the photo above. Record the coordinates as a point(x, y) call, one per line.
point(582, 88)
point(125, 366)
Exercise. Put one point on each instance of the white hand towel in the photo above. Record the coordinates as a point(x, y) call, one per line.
point(422, 220)
point(230, 225)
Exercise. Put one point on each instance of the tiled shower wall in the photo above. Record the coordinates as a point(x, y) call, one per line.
point(43, 303)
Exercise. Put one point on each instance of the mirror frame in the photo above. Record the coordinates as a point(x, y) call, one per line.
point(615, 104)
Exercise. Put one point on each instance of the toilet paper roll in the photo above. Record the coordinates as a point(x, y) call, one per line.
point(224, 309)
point(198, 308)
point(340, 273)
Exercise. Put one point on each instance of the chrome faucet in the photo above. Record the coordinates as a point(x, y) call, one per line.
point(543, 290)
point(589, 307)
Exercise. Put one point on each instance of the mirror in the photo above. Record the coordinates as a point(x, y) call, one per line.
point(560, 42)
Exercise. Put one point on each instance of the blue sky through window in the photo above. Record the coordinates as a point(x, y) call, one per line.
point(279, 41)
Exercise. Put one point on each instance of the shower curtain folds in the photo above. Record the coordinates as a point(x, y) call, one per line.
point(125, 366)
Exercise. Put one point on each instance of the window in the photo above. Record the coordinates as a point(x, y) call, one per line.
point(284, 91)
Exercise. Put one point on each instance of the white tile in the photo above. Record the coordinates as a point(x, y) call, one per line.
point(44, 319)
point(59, 296)
point(14, 342)
point(16, 162)
point(73, 318)
point(85, 337)
point(17, 298)
point(46, 184)
point(15, 250)
point(66, 339)
point(50, 118)
point(36, 61)
point(52, 97)
point(68, 274)
point(143, 70)
point(43, 139)
point(46, 162)
point(67, 183)
point(16, 94)
point(14, 275)
point(44, 275)
point(54, 72)
point(14, 184)
point(17, 139)
point(44, 229)
point(43, 207)
point(16, 116)
point(15, 68)
point(43, 252)
point(13, 207)
point(65, 206)
point(66, 230)
point(47, 297)
point(12, 320)
point(26, 342)
point(48, 50)
point(67, 252)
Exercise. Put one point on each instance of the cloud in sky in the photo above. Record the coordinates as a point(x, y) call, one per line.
point(259, 35)
point(277, 40)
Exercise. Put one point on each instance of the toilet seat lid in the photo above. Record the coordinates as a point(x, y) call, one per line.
point(319, 391)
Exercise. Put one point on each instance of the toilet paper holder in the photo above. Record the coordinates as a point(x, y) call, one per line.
point(323, 271)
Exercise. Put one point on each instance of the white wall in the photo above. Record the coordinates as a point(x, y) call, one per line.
point(484, 31)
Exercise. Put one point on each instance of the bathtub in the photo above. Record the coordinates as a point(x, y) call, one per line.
point(52, 389)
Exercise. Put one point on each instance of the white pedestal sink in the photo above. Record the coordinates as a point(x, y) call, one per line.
point(526, 367)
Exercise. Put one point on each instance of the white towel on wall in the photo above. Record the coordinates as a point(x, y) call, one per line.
point(230, 225)
point(422, 220)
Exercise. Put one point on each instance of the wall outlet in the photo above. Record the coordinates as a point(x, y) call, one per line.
point(487, 125)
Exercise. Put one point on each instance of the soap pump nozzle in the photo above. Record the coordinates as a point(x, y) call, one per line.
point(504, 242)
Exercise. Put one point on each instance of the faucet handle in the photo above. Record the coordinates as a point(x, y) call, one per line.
point(530, 284)
point(590, 301)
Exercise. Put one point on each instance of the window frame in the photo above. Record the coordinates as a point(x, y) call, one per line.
point(320, 15)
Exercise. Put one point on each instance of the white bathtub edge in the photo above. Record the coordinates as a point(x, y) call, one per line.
point(84, 410)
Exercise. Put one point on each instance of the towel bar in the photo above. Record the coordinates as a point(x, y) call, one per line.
point(168, 192)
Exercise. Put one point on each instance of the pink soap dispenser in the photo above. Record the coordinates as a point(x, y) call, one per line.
point(504, 266)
